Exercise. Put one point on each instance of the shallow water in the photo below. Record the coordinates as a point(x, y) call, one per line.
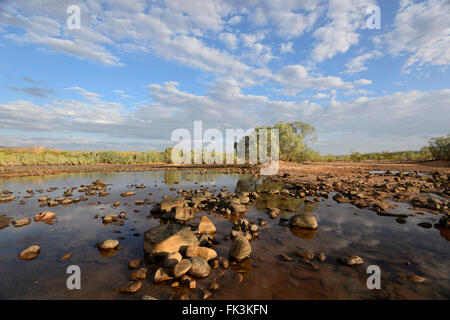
point(379, 240)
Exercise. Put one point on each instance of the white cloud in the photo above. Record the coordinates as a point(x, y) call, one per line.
point(286, 47)
point(229, 39)
point(420, 31)
point(356, 64)
point(337, 36)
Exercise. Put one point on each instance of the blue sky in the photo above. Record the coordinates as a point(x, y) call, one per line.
point(137, 70)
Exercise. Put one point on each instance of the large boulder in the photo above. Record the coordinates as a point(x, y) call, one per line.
point(168, 238)
point(169, 203)
point(305, 221)
point(240, 249)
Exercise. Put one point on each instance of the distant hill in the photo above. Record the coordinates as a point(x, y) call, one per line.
point(34, 149)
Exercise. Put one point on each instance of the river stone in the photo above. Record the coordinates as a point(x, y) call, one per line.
point(202, 252)
point(206, 226)
point(127, 194)
point(172, 259)
point(244, 199)
point(21, 222)
point(352, 260)
point(44, 198)
point(181, 268)
point(139, 274)
point(240, 249)
point(305, 221)
point(7, 198)
point(162, 275)
point(30, 253)
point(46, 215)
point(167, 238)
point(169, 203)
point(110, 218)
point(200, 268)
point(109, 244)
point(130, 287)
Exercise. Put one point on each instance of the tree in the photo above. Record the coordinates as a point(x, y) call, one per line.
point(440, 148)
point(293, 137)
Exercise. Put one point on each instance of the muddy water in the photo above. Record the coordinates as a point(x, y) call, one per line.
point(398, 249)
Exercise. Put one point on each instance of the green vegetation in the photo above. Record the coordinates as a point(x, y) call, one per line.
point(293, 140)
point(51, 157)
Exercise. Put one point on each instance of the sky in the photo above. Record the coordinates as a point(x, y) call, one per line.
point(135, 70)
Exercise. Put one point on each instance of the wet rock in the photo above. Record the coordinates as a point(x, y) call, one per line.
point(401, 220)
point(351, 260)
point(66, 257)
point(147, 297)
point(127, 194)
point(285, 257)
point(44, 198)
point(169, 203)
point(206, 294)
point(425, 225)
point(202, 252)
point(182, 268)
point(321, 257)
point(200, 268)
point(274, 212)
point(416, 279)
point(110, 218)
point(30, 253)
point(139, 274)
point(305, 221)
point(130, 287)
point(244, 199)
point(162, 275)
point(206, 226)
point(44, 216)
point(444, 221)
point(167, 238)
point(109, 244)
point(21, 222)
point(240, 249)
point(172, 259)
point(308, 255)
point(6, 198)
point(134, 264)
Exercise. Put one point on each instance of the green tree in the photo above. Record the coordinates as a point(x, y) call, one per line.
point(440, 148)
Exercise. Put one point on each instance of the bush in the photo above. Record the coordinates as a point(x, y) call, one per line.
point(440, 148)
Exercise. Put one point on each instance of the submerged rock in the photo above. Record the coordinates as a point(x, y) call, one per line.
point(167, 238)
point(130, 287)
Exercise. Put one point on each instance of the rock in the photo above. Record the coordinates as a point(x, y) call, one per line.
point(253, 228)
point(308, 255)
point(167, 238)
point(285, 257)
point(244, 200)
point(127, 194)
point(169, 203)
point(416, 279)
point(237, 207)
point(192, 284)
point(321, 257)
point(182, 268)
point(425, 225)
point(305, 221)
point(200, 268)
point(21, 222)
point(444, 221)
point(206, 226)
point(139, 274)
point(162, 275)
point(130, 287)
point(44, 198)
point(44, 216)
point(109, 244)
point(147, 297)
point(213, 286)
point(134, 264)
point(202, 252)
point(240, 249)
point(66, 256)
point(274, 212)
point(206, 294)
point(351, 260)
point(30, 253)
point(6, 198)
point(110, 218)
point(401, 220)
point(172, 259)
